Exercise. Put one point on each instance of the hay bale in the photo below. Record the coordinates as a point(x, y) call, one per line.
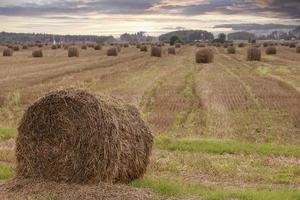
point(73, 52)
point(171, 50)
point(231, 50)
point(177, 45)
point(271, 50)
point(225, 45)
point(253, 54)
point(24, 47)
point(37, 53)
point(292, 45)
point(71, 136)
point(298, 49)
point(98, 47)
point(8, 52)
point(138, 46)
point(16, 48)
point(112, 51)
point(156, 51)
point(54, 47)
point(144, 48)
point(83, 47)
point(241, 45)
point(265, 44)
point(204, 55)
point(126, 45)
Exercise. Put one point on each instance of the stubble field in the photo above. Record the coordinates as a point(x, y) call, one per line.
point(225, 130)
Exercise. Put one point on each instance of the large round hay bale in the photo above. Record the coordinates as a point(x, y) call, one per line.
point(204, 55)
point(71, 136)
point(177, 45)
point(156, 51)
point(37, 53)
point(171, 50)
point(241, 45)
point(254, 54)
point(8, 52)
point(231, 50)
point(112, 51)
point(16, 48)
point(144, 48)
point(298, 49)
point(24, 47)
point(98, 47)
point(271, 50)
point(53, 47)
point(292, 45)
point(73, 52)
point(84, 47)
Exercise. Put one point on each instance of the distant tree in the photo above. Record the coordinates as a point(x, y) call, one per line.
point(222, 37)
point(174, 39)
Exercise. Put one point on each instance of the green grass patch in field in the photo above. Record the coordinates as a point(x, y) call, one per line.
point(226, 147)
point(6, 171)
point(7, 133)
point(174, 188)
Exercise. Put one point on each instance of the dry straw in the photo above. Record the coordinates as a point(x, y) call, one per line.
point(73, 52)
point(8, 52)
point(156, 51)
point(112, 51)
point(71, 136)
point(37, 53)
point(204, 55)
point(254, 54)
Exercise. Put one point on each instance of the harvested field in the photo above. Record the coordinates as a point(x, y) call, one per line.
point(228, 129)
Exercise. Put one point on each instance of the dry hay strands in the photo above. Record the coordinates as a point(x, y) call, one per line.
point(73, 52)
point(144, 48)
point(241, 45)
point(254, 54)
point(156, 51)
point(171, 50)
point(83, 47)
point(270, 50)
point(98, 47)
point(204, 55)
point(231, 50)
point(37, 53)
point(112, 51)
point(8, 52)
point(71, 136)
point(298, 49)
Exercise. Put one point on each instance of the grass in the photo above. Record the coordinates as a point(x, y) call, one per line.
point(175, 188)
point(226, 147)
point(6, 171)
point(7, 133)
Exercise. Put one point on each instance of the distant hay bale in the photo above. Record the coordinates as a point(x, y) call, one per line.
point(298, 49)
point(156, 51)
point(144, 48)
point(265, 44)
point(171, 50)
point(271, 50)
point(204, 55)
point(37, 53)
point(292, 45)
point(53, 47)
point(71, 136)
point(126, 45)
point(138, 46)
point(24, 47)
point(225, 46)
point(83, 47)
point(112, 51)
point(231, 50)
point(16, 48)
point(73, 52)
point(8, 52)
point(254, 54)
point(177, 45)
point(241, 45)
point(98, 47)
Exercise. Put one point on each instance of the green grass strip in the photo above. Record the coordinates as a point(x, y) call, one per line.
point(7, 133)
point(174, 188)
point(226, 147)
point(6, 171)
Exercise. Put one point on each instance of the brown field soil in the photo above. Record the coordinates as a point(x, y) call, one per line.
point(225, 130)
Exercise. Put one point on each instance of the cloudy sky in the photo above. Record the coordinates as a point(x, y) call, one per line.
point(112, 17)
